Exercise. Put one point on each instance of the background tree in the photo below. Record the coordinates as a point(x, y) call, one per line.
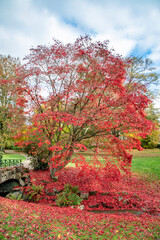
point(142, 72)
point(11, 100)
point(78, 93)
point(152, 140)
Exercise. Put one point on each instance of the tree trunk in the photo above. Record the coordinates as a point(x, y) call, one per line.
point(66, 161)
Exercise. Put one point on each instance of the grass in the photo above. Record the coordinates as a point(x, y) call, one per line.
point(8, 156)
point(13, 156)
point(144, 162)
point(147, 165)
point(147, 162)
point(31, 221)
point(146, 152)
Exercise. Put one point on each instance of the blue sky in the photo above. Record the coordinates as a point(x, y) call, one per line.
point(131, 26)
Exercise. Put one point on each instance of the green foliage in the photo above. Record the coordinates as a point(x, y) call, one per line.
point(151, 141)
point(39, 159)
point(13, 197)
point(13, 147)
point(142, 71)
point(37, 163)
point(34, 192)
point(68, 196)
point(148, 142)
point(11, 115)
point(1, 155)
point(158, 145)
point(153, 113)
point(70, 188)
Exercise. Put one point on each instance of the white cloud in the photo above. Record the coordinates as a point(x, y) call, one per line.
point(126, 24)
point(15, 42)
point(122, 46)
point(34, 27)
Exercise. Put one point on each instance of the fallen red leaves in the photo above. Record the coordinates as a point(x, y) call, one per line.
point(126, 193)
point(45, 219)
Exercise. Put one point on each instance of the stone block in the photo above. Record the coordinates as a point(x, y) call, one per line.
point(81, 207)
point(14, 194)
point(84, 195)
point(22, 183)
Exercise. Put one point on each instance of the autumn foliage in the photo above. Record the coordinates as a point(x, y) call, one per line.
point(78, 97)
point(12, 99)
point(31, 221)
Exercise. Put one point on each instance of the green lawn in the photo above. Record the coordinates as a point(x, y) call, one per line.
point(147, 165)
point(13, 156)
point(33, 221)
point(146, 161)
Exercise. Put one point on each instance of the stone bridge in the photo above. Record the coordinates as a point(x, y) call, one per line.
point(11, 177)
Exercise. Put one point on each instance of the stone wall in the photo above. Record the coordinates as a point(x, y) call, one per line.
point(11, 177)
point(11, 173)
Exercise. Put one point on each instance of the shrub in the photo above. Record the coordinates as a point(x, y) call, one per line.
point(68, 196)
point(39, 159)
point(13, 147)
point(1, 155)
point(34, 192)
point(38, 162)
point(158, 145)
point(148, 143)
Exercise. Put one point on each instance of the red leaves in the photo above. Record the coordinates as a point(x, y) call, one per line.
point(78, 97)
point(106, 188)
point(80, 147)
point(56, 148)
point(47, 222)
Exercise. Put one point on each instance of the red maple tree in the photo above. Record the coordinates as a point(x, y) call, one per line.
point(78, 92)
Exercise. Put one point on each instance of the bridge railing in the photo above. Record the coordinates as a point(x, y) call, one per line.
point(10, 162)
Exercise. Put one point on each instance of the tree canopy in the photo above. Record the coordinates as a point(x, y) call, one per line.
point(11, 100)
point(142, 71)
point(152, 140)
point(77, 92)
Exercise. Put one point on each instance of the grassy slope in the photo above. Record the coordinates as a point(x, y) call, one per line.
point(20, 220)
point(12, 218)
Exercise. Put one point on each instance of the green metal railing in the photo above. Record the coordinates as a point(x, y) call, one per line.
point(10, 162)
